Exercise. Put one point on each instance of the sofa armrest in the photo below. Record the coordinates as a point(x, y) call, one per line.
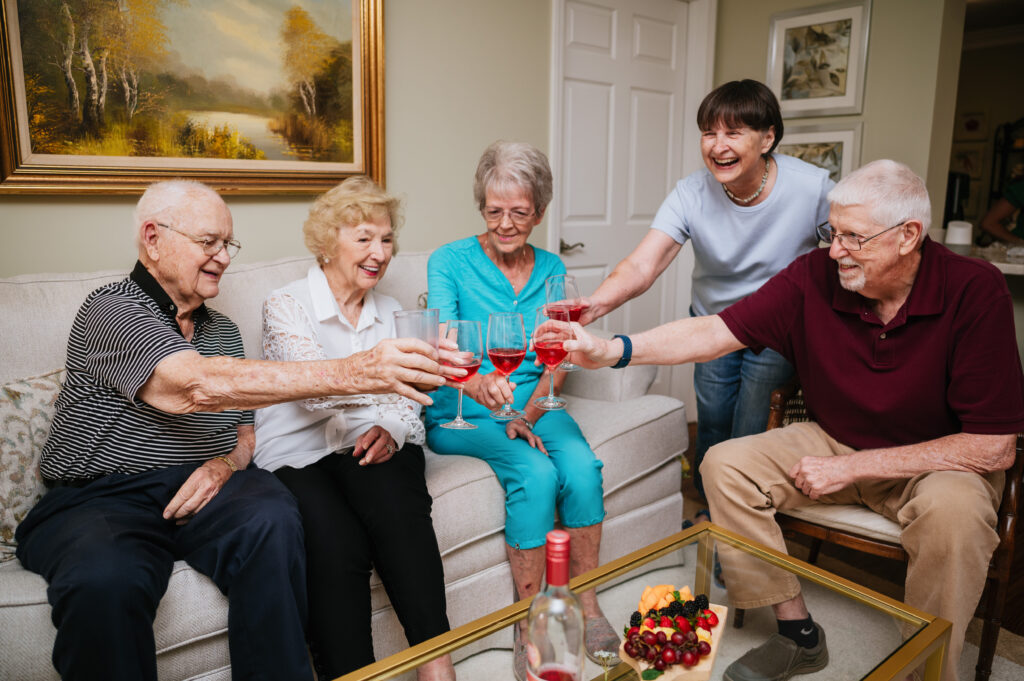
point(613, 385)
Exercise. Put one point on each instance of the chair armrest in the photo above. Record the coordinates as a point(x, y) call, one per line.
point(777, 406)
point(611, 385)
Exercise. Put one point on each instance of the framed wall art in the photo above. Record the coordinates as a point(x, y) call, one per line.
point(836, 148)
point(254, 97)
point(968, 158)
point(817, 58)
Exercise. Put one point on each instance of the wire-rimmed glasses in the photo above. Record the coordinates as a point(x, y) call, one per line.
point(466, 335)
point(518, 217)
point(550, 331)
point(209, 245)
point(506, 348)
point(851, 242)
point(561, 292)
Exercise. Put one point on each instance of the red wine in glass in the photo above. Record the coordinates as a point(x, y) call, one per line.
point(550, 354)
point(574, 311)
point(550, 330)
point(506, 360)
point(506, 348)
point(470, 370)
point(553, 673)
point(466, 335)
point(561, 292)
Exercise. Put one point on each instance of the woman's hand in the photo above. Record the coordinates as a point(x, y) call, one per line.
point(491, 390)
point(377, 445)
point(519, 428)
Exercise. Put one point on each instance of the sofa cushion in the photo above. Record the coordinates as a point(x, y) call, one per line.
point(26, 409)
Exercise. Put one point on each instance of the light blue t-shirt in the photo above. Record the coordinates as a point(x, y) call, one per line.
point(463, 283)
point(738, 248)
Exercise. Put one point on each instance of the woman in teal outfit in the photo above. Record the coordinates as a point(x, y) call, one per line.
point(542, 460)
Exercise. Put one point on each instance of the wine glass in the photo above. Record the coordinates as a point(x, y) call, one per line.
point(506, 348)
point(549, 332)
point(466, 335)
point(561, 292)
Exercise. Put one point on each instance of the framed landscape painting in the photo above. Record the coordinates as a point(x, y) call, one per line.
point(817, 57)
point(836, 148)
point(249, 96)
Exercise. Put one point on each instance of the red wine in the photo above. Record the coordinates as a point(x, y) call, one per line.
point(550, 353)
point(506, 360)
point(552, 673)
point(554, 625)
point(470, 370)
point(558, 312)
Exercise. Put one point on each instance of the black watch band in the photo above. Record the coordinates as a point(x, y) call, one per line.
point(627, 352)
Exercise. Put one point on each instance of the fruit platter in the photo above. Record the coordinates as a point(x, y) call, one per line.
point(673, 635)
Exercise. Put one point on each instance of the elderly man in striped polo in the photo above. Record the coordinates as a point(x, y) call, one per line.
point(148, 457)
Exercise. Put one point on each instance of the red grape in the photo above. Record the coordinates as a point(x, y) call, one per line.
point(649, 638)
point(689, 659)
point(678, 638)
point(662, 637)
point(704, 648)
point(668, 655)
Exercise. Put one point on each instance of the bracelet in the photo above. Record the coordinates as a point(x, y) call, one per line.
point(627, 351)
point(229, 462)
point(527, 422)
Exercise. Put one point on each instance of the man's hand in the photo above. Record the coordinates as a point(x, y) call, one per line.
point(518, 428)
point(377, 445)
point(591, 352)
point(590, 312)
point(405, 366)
point(491, 390)
point(198, 490)
point(816, 476)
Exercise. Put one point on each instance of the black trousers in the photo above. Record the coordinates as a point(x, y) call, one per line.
point(355, 518)
point(107, 553)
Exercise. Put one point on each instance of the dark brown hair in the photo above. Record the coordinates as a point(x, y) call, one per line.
point(742, 103)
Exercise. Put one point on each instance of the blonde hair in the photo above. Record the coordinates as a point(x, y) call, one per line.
point(356, 200)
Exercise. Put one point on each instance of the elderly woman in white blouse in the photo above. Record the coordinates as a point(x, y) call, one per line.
point(354, 463)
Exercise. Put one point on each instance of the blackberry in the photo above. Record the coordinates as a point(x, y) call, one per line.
point(675, 609)
point(665, 612)
point(690, 609)
point(653, 614)
point(635, 619)
point(702, 602)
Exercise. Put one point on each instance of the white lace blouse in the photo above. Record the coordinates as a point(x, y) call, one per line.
point(301, 321)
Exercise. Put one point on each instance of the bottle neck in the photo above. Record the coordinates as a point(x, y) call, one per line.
point(557, 571)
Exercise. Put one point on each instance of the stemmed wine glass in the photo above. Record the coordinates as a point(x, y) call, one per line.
point(549, 332)
point(466, 335)
point(562, 293)
point(506, 348)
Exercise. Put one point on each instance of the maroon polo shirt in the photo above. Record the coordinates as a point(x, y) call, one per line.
point(946, 363)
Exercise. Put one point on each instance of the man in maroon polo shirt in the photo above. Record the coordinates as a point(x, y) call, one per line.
point(908, 359)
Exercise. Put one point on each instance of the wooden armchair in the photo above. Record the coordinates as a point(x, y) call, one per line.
point(862, 529)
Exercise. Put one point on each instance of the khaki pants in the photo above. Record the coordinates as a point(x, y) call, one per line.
point(947, 520)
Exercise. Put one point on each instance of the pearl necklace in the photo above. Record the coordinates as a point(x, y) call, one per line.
point(764, 181)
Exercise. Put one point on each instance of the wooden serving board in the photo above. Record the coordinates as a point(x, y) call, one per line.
point(678, 672)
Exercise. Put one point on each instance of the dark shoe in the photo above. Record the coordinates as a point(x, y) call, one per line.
point(777, 659)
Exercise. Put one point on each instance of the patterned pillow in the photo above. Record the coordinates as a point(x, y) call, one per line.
point(26, 409)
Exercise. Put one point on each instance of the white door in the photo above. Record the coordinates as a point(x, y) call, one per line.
point(628, 76)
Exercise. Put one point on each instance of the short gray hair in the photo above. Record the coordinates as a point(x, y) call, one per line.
point(169, 201)
point(893, 192)
point(505, 165)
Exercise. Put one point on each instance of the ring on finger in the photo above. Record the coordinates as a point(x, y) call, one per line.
point(390, 447)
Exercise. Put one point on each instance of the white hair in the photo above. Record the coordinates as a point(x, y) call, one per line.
point(892, 191)
point(169, 201)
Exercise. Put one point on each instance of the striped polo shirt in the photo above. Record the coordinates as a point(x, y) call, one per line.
point(121, 332)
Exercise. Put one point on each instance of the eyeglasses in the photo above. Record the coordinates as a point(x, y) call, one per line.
point(209, 245)
point(851, 242)
point(518, 217)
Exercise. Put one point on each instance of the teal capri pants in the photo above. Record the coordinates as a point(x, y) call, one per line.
point(567, 479)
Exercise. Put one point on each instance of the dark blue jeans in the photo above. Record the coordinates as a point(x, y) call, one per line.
point(107, 553)
point(733, 395)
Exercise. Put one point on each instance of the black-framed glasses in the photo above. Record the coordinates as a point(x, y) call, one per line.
point(209, 245)
point(518, 217)
point(851, 242)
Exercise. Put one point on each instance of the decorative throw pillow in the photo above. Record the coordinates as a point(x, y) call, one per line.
point(26, 409)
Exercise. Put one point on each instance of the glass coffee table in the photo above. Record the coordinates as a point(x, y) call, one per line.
point(870, 636)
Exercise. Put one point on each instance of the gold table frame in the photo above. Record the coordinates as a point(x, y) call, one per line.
point(926, 647)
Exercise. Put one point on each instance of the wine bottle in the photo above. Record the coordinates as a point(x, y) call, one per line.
point(554, 631)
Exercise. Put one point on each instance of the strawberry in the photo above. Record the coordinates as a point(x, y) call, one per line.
point(683, 624)
point(665, 621)
point(703, 623)
point(711, 617)
point(649, 623)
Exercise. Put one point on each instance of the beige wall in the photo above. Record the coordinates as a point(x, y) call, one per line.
point(911, 80)
point(459, 74)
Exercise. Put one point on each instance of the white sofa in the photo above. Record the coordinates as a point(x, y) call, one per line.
point(638, 436)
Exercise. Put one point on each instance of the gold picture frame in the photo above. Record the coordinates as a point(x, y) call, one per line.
point(25, 172)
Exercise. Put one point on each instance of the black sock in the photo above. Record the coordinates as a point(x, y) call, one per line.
point(804, 632)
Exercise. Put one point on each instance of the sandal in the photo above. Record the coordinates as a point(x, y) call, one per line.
point(601, 641)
